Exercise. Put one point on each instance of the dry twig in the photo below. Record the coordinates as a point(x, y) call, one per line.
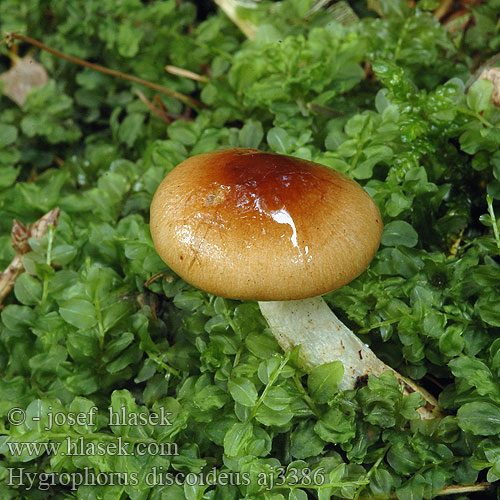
point(162, 106)
point(169, 278)
point(463, 489)
point(174, 70)
point(443, 9)
point(230, 7)
point(459, 489)
point(20, 242)
point(10, 37)
point(157, 111)
point(456, 244)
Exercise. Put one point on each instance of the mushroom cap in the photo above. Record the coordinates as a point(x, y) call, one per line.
point(244, 224)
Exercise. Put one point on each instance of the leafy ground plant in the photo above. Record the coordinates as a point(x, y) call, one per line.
point(118, 380)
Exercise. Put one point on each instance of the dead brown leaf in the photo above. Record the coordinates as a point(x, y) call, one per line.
point(493, 75)
point(22, 77)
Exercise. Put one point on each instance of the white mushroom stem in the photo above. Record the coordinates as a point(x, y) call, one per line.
point(323, 338)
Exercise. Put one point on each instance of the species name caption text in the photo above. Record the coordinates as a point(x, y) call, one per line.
point(158, 476)
point(97, 445)
point(107, 444)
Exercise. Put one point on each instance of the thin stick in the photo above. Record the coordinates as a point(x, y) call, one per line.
point(103, 69)
point(229, 7)
point(452, 252)
point(152, 107)
point(174, 70)
point(20, 236)
point(162, 106)
point(448, 490)
point(443, 9)
point(159, 275)
point(489, 201)
point(173, 116)
point(461, 489)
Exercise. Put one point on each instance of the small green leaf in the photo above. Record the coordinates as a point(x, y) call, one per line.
point(242, 391)
point(237, 438)
point(188, 300)
point(130, 356)
point(63, 254)
point(210, 398)
point(278, 398)
point(488, 308)
point(279, 140)
point(399, 233)
point(323, 380)
point(251, 134)
point(180, 131)
point(268, 416)
point(452, 342)
point(297, 494)
point(480, 418)
point(128, 39)
point(79, 312)
point(479, 95)
point(304, 442)
point(131, 128)
point(413, 489)
point(17, 317)
point(9, 175)
point(336, 426)
point(403, 458)
point(28, 290)
point(381, 482)
point(8, 135)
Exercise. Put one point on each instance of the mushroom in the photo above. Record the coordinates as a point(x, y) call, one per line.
point(245, 224)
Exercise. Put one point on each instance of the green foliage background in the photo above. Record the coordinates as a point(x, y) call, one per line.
point(82, 328)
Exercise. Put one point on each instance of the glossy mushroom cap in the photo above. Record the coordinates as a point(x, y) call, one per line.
point(244, 224)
